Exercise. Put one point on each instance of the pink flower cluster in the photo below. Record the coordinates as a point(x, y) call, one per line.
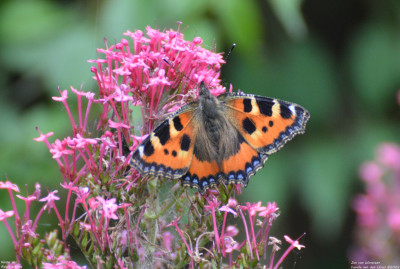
point(26, 239)
point(128, 219)
point(378, 210)
point(256, 240)
point(158, 73)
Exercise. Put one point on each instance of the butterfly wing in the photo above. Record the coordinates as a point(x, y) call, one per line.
point(236, 169)
point(245, 163)
point(267, 124)
point(168, 150)
point(202, 175)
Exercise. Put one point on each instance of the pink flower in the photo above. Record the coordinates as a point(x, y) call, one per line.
point(37, 191)
point(121, 94)
point(80, 142)
point(232, 203)
point(62, 265)
point(107, 140)
point(50, 197)
point(43, 137)
point(378, 212)
point(4, 215)
point(27, 229)
point(93, 204)
point(366, 209)
point(230, 244)
point(377, 191)
point(13, 265)
point(117, 125)
point(212, 204)
point(227, 209)
point(253, 208)
point(231, 231)
point(389, 155)
point(28, 199)
point(59, 149)
point(154, 66)
point(62, 98)
point(294, 243)
point(270, 209)
point(393, 219)
point(167, 239)
point(70, 186)
point(9, 185)
point(109, 207)
point(82, 194)
point(371, 172)
point(85, 226)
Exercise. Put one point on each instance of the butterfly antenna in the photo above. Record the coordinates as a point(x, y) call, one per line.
point(226, 58)
point(230, 52)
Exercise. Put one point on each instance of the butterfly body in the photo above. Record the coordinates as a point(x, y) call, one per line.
point(219, 139)
point(215, 135)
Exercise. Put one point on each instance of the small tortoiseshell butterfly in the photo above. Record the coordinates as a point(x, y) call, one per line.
point(226, 138)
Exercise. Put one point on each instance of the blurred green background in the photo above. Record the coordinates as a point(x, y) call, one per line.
point(340, 59)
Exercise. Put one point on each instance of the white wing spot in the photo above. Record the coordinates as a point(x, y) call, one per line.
point(141, 150)
point(292, 108)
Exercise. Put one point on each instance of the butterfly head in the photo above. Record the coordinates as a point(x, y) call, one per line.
point(204, 91)
point(208, 103)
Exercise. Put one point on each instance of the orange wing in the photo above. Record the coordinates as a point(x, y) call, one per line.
point(168, 150)
point(202, 175)
point(265, 123)
point(245, 163)
point(237, 169)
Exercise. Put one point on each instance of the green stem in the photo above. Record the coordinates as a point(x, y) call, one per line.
point(152, 217)
point(171, 202)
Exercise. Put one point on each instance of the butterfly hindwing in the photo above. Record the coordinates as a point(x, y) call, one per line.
point(237, 169)
point(168, 150)
point(202, 175)
point(245, 163)
point(265, 123)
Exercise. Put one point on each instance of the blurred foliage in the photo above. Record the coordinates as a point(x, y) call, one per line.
point(338, 58)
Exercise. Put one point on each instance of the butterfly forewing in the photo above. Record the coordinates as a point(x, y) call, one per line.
point(168, 150)
point(265, 123)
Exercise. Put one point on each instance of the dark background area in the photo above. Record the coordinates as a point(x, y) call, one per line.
point(340, 59)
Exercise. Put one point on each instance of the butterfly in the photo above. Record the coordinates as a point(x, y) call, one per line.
point(219, 139)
